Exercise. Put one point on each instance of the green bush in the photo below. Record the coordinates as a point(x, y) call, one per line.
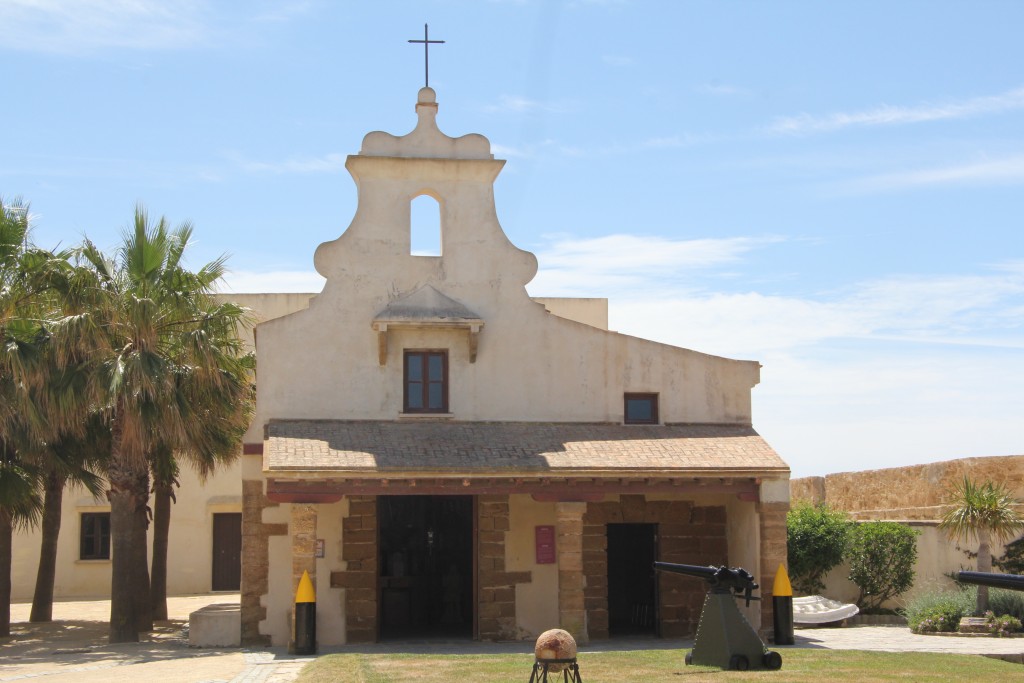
point(817, 537)
point(1003, 625)
point(882, 557)
point(1004, 601)
point(939, 610)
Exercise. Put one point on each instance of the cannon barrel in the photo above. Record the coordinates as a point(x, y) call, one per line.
point(1014, 582)
point(706, 573)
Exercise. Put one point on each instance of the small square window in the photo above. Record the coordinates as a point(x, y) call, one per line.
point(641, 409)
point(426, 382)
point(94, 539)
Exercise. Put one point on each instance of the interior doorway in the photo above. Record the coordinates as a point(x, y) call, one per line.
point(426, 566)
point(632, 583)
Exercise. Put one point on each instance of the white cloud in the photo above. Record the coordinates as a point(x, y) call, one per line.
point(887, 115)
point(662, 289)
point(571, 267)
point(71, 26)
point(1007, 171)
point(294, 281)
point(519, 104)
point(504, 151)
point(328, 163)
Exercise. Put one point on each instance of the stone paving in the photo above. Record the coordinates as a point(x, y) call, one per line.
point(73, 648)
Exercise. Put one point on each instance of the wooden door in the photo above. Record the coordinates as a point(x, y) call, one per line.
point(227, 551)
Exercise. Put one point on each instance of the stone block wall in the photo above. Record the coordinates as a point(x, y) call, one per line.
point(496, 601)
point(359, 579)
point(255, 560)
point(773, 553)
point(572, 614)
point(687, 534)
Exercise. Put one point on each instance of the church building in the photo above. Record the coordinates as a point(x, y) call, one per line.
point(448, 457)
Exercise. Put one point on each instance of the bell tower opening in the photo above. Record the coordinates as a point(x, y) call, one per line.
point(425, 226)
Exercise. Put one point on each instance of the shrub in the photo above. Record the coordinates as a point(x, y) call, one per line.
point(817, 538)
point(1001, 626)
point(1004, 601)
point(882, 557)
point(938, 610)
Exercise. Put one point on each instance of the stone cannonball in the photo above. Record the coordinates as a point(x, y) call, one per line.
point(555, 644)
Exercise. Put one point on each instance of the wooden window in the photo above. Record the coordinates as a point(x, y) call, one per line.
point(641, 409)
point(94, 539)
point(426, 382)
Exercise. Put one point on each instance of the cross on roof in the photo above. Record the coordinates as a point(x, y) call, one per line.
point(426, 53)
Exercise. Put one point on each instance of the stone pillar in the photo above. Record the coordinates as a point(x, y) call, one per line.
point(303, 533)
point(572, 615)
point(496, 618)
point(255, 560)
point(359, 550)
point(773, 553)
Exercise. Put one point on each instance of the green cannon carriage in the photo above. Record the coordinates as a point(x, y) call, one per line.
point(724, 636)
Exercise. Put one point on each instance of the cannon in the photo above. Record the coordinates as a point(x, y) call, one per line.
point(1014, 582)
point(724, 636)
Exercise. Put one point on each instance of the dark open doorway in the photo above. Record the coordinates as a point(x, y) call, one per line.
point(426, 566)
point(632, 592)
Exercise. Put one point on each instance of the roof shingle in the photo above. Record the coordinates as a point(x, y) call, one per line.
point(369, 447)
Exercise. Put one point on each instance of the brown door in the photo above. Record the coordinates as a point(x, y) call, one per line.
point(227, 551)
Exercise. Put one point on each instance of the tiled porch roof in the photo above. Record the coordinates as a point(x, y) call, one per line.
point(366, 448)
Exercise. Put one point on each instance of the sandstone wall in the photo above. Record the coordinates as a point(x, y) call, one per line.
point(916, 492)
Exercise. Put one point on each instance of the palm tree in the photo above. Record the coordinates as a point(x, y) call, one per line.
point(140, 326)
point(66, 460)
point(220, 414)
point(985, 513)
point(19, 418)
point(20, 505)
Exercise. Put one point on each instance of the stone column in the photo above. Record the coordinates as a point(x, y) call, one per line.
point(303, 532)
point(255, 560)
point(772, 509)
point(572, 615)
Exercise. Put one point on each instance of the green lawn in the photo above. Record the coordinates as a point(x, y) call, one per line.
point(662, 665)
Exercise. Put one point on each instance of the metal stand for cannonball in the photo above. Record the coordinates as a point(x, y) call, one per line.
point(540, 671)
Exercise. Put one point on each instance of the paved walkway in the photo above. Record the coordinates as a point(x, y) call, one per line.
point(73, 648)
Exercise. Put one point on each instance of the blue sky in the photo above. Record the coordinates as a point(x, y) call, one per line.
point(833, 189)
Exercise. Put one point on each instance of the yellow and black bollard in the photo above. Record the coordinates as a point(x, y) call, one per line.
point(782, 608)
point(305, 617)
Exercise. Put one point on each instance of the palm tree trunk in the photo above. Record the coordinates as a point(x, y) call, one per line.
point(984, 565)
point(140, 561)
point(6, 537)
point(42, 599)
point(161, 530)
point(124, 503)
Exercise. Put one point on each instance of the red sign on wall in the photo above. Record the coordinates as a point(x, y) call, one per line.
point(545, 537)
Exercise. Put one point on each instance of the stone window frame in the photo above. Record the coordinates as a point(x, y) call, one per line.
point(640, 396)
point(94, 536)
point(425, 354)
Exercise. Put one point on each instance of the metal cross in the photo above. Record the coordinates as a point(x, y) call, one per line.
point(426, 53)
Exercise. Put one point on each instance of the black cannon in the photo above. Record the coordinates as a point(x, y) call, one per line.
point(722, 579)
point(724, 636)
point(1014, 582)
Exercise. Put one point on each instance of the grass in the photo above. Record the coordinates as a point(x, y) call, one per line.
point(660, 665)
